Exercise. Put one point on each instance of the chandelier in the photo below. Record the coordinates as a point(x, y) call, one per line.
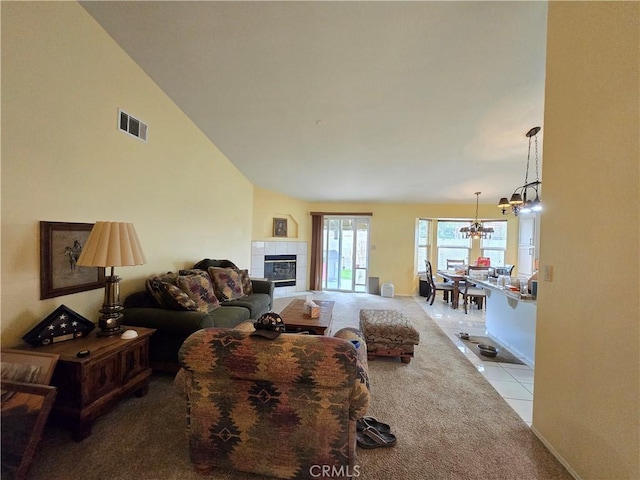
point(519, 203)
point(476, 229)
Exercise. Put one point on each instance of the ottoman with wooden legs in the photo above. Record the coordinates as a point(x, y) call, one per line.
point(388, 333)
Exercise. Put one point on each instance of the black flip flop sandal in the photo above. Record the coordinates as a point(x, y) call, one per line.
point(372, 422)
point(372, 438)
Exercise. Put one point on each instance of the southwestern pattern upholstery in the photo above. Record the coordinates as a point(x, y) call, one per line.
point(247, 288)
point(197, 285)
point(353, 334)
point(165, 291)
point(388, 333)
point(227, 283)
point(272, 407)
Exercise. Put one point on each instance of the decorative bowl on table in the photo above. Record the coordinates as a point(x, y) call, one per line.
point(464, 335)
point(488, 350)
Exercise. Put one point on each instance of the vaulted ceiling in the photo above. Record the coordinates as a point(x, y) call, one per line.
point(421, 102)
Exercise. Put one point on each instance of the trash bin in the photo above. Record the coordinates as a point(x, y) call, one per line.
point(386, 290)
point(374, 285)
point(425, 288)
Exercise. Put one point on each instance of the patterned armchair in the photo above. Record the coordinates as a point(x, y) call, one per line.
point(273, 407)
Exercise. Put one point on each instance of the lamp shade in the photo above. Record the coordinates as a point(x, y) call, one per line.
point(516, 199)
point(504, 203)
point(112, 244)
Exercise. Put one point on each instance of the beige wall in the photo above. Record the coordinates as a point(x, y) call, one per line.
point(268, 205)
point(63, 80)
point(63, 159)
point(392, 255)
point(587, 377)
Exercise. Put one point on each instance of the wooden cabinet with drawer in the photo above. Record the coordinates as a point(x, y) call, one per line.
point(89, 386)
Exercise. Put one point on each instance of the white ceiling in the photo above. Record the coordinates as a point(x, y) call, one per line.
point(421, 102)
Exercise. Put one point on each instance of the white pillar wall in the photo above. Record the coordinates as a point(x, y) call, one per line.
point(299, 249)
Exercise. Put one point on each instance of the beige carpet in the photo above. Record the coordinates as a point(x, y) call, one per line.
point(449, 421)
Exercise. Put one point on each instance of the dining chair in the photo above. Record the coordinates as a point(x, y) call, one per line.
point(444, 287)
point(505, 270)
point(458, 266)
point(472, 290)
point(478, 271)
point(454, 264)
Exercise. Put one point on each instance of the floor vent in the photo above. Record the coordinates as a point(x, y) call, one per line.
point(132, 126)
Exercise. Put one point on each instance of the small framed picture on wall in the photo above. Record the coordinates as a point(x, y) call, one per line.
point(279, 227)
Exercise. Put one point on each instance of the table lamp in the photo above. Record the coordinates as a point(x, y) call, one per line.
point(111, 244)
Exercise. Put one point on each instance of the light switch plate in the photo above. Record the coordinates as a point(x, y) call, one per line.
point(548, 273)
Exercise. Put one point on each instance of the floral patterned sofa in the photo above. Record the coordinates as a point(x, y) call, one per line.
point(282, 408)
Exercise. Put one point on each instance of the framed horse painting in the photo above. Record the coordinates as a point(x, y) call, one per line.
point(60, 247)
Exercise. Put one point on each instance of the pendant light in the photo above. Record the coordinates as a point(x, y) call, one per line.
point(476, 229)
point(519, 203)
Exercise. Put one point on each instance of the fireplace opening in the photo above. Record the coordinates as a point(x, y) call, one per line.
point(280, 269)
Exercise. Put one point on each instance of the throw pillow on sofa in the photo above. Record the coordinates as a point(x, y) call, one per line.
point(198, 286)
point(227, 283)
point(247, 286)
point(164, 290)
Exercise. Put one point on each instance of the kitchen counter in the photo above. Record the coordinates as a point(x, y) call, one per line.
point(511, 319)
point(492, 285)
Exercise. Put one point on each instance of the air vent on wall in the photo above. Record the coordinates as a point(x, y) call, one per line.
point(132, 125)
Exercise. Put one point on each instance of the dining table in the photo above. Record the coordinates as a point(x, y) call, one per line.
point(455, 278)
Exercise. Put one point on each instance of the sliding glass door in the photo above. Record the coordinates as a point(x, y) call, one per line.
point(345, 253)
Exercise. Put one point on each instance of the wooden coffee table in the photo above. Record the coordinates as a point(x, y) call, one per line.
point(296, 321)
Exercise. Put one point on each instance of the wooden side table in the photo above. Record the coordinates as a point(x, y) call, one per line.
point(89, 386)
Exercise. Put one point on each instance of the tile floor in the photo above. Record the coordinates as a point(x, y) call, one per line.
point(513, 382)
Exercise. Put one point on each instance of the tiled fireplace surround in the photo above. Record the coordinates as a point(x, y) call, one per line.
point(299, 249)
